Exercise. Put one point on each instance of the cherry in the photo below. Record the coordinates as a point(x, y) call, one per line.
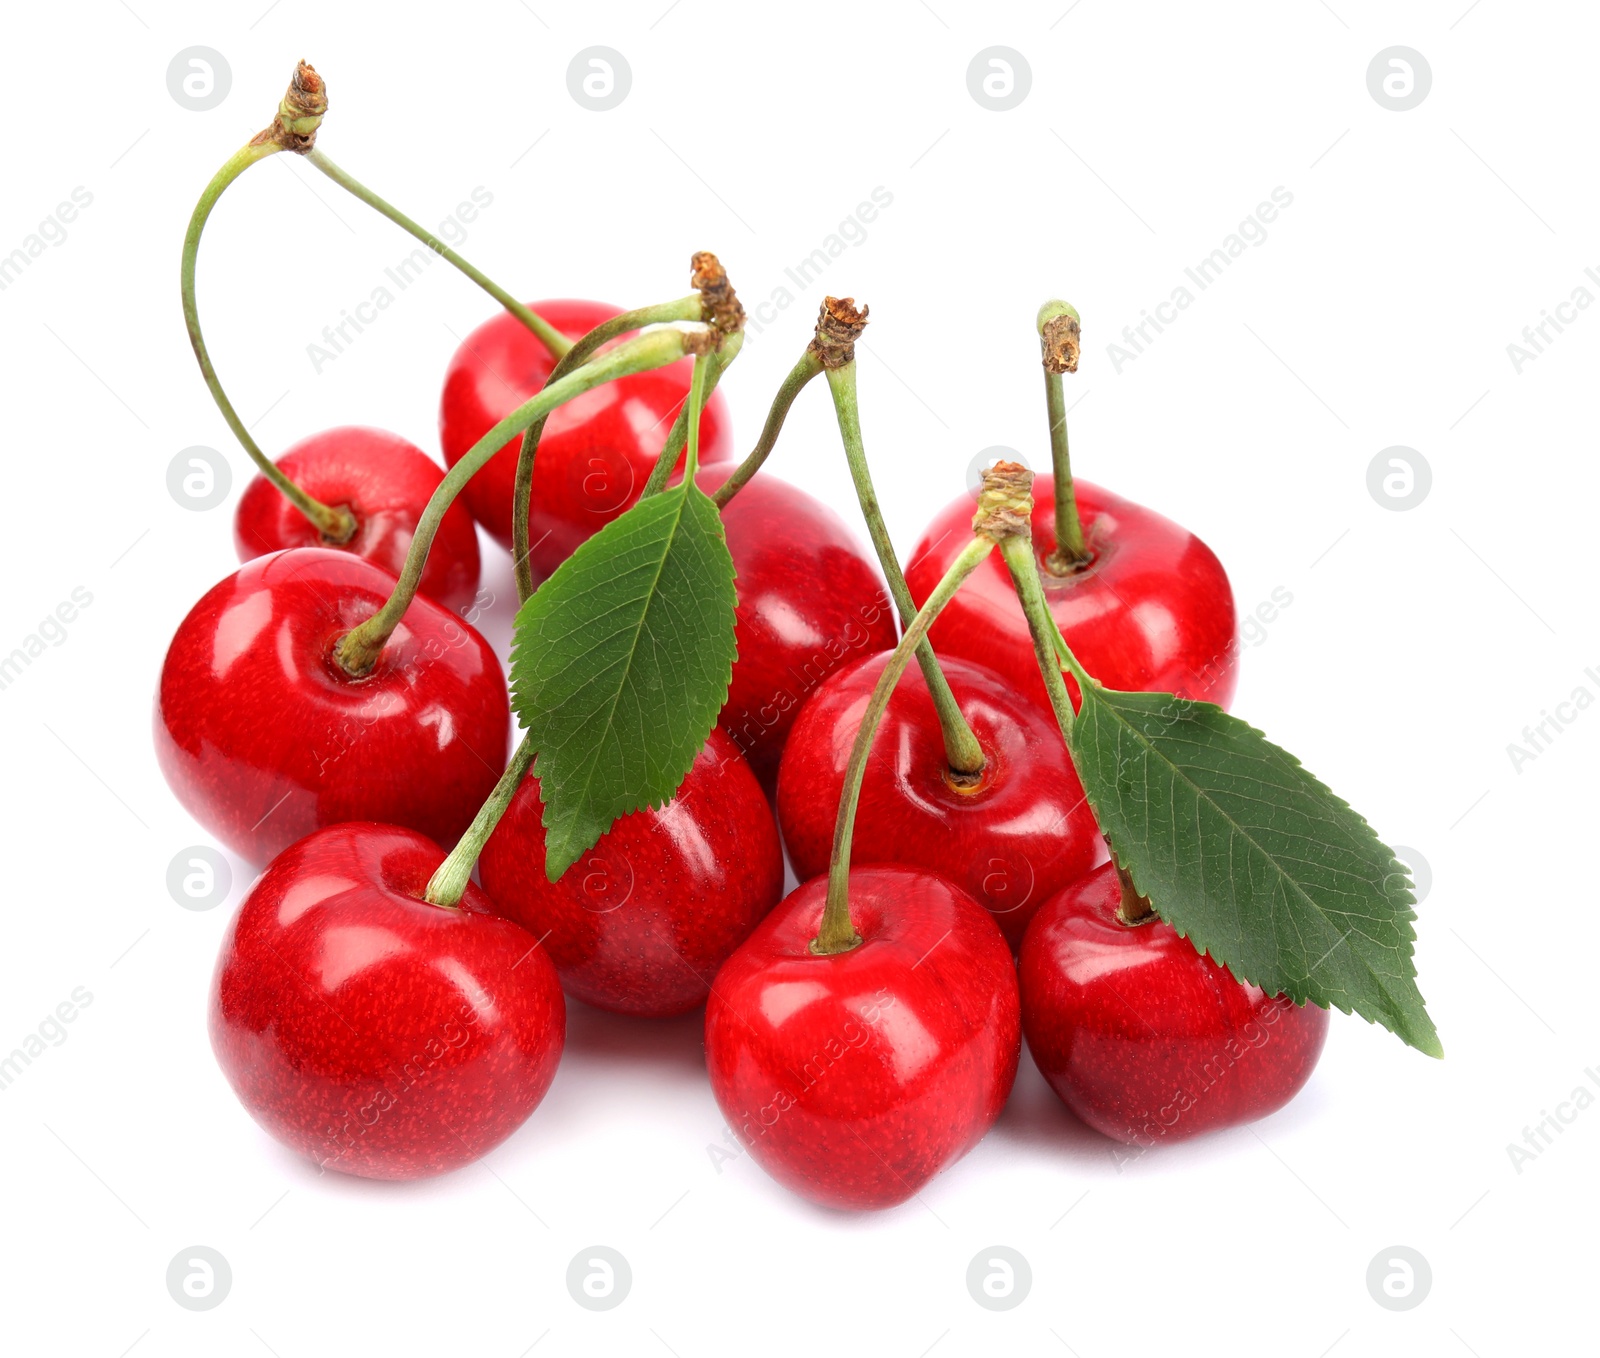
point(1145, 1039)
point(265, 737)
point(384, 481)
point(810, 600)
point(1152, 610)
point(376, 1033)
point(1011, 838)
point(640, 924)
point(596, 451)
point(854, 1078)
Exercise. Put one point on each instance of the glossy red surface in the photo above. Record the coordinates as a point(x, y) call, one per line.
point(1144, 1038)
point(385, 482)
point(810, 601)
point(1012, 841)
point(854, 1079)
point(375, 1033)
point(1154, 611)
point(640, 924)
point(596, 451)
point(264, 738)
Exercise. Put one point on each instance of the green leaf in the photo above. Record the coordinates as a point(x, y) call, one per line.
point(620, 663)
point(1252, 859)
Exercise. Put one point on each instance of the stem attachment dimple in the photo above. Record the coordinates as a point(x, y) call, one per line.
point(1060, 344)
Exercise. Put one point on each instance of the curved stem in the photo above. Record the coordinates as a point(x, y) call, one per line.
point(683, 309)
point(336, 525)
point(547, 334)
point(837, 933)
point(961, 748)
point(802, 372)
point(719, 360)
point(450, 880)
point(359, 650)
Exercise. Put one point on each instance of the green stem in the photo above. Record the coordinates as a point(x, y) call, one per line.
point(802, 372)
point(547, 334)
point(962, 751)
point(719, 360)
point(1071, 553)
point(359, 650)
point(837, 933)
point(683, 309)
point(1048, 642)
point(693, 406)
point(335, 524)
point(447, 884)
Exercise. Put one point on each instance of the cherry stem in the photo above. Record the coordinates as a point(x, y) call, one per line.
point(337, 525)
point(802, 372)
point(1132, 908)
point(447, 884)
point(547, 334)
point(359, 650)
point(718, 361)
point(962, 751)
point(837, 932)
point(683, 309)
point(1059, 332)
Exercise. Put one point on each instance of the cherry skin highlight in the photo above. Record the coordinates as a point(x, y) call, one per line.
point(1012, 839)
point(385, 482)
point(371, 1031)
point(264, 737)
point(1152, 612)
point(1145, 1039)
point(640, 924)
point(853, 1079)
point(596, 452)
point(810, 601)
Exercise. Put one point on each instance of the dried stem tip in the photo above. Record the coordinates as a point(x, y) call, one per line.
point(720, 306)
point(839, 326)
point(1005, 503)
point(299, 114)
point(1060, 343)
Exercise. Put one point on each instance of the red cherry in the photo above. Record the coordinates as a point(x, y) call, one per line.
point(385, 482)
point(810, 601)
point(376, 1033)
point(1152, 612)
point(264, 737)
point(1144, 1038)
point(1011, 840)
point(596, 452)
point(853, 1079)
point(640, 924)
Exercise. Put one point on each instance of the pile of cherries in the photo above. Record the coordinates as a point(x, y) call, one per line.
point(386, 1035)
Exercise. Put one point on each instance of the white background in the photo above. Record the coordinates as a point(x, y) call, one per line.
point(1418, 644)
